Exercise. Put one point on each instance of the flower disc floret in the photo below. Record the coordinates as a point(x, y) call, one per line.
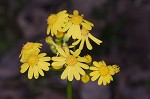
point(32, 60)
point(104, 70)
point(52, 19)
point(71, 60)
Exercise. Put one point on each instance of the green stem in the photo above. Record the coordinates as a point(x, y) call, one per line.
point(69, 89)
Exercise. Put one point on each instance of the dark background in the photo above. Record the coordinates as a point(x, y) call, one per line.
point(122, 25)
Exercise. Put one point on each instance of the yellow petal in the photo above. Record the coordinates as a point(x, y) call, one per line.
point(103, 62)
point(111, 70)
point(70, 31)
point(96, 64)
point(94, 73)
point(65, 73)
point(61, 63)
point(94, 77)
point(57, 67)
point(46, 68)
point(61, 13)
point(40, 71)
point(67, 50)
point(86, 26)
point(54, 29)
point(30, 73)
point(71, 46)
point(97, 41)
point(76, 32)
point(58, 58)
point(61, 51)
point(108, 79)
point(43, 63)
point(76, 74)
point(82, 44)
point(82, 59)
point(70, 73)
point(100, 80)
point(76, 42)
point(68, 25)
point(83, 65)
point(45, 59)
point(35, 71)
point(93, 68)
point(104, 80)
point(77, 52)
point(80, 70)
point(88, 45)
point(48, 30)
point(89, 23)
point(42, 55)
point(24, 67)
point(58, 28)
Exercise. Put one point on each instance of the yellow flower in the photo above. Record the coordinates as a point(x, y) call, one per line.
point(103, 72)
point(89, 58)
point(74, 25)
point(28, 48)
point(56, 22)
point(85, 78)
point(72, 61)
point(85, 38)
point(36, 63)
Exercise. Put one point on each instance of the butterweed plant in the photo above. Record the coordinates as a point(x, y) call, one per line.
point(67, 35)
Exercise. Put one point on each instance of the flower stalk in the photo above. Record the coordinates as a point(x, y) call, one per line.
point(69, 89)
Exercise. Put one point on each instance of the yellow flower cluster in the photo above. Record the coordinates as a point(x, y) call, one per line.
point(71, 25)
point(61, 28)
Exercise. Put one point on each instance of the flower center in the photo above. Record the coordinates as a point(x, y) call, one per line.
point(104, 70)
point(32, 60)
point(71, 60)
point(84, 32)
point(52, 19)
point(28, 46)
point(76, 19)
